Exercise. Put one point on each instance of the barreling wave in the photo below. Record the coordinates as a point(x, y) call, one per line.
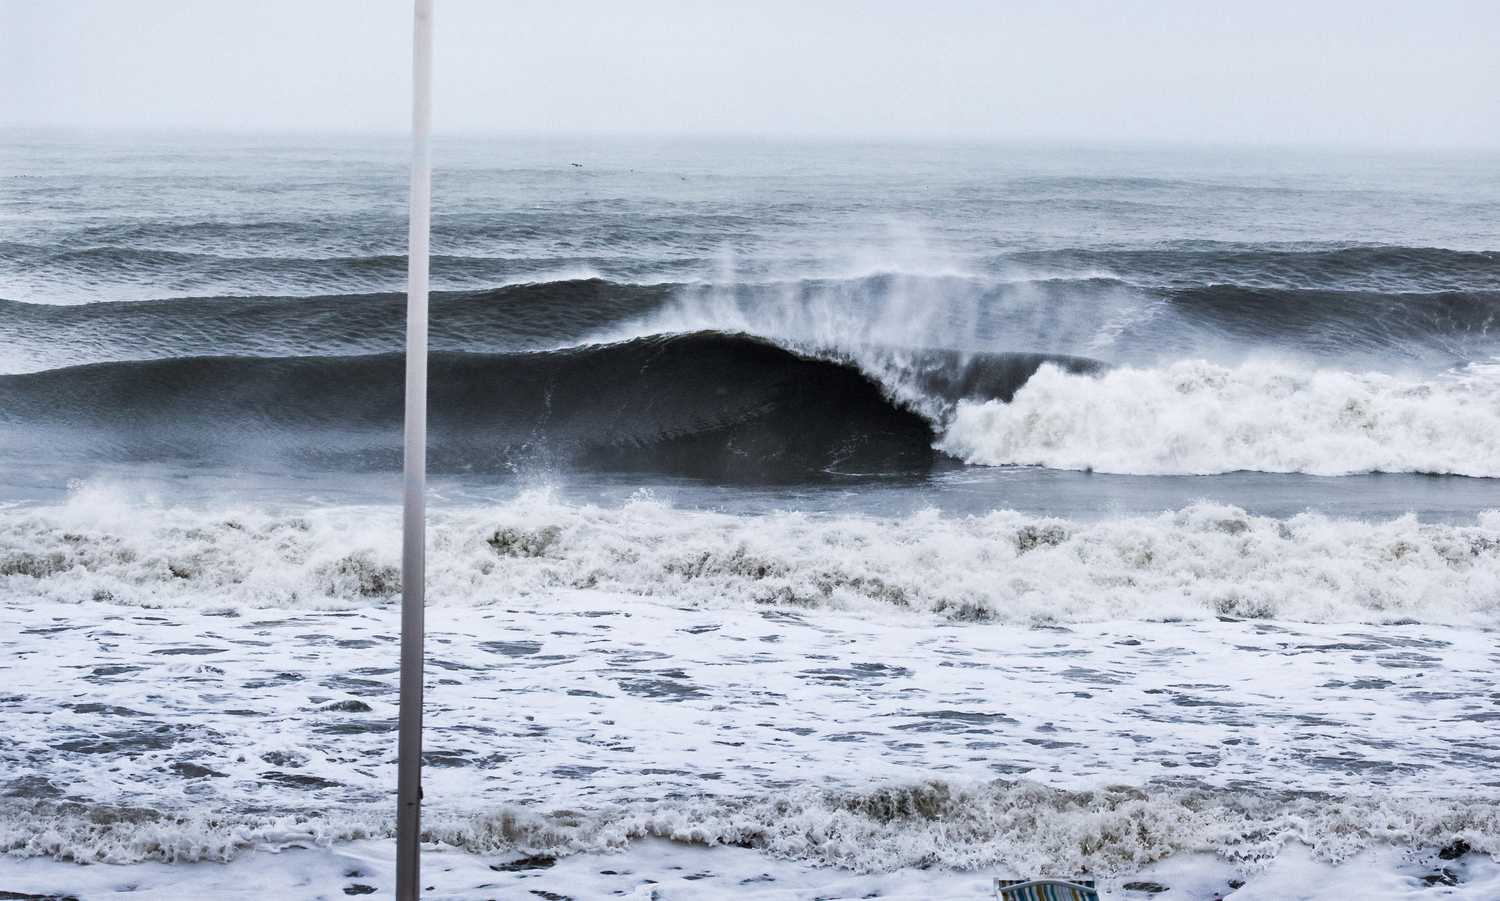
point(722, 406)
point(1200, 562)
point(1195, 417)
point(734, 407)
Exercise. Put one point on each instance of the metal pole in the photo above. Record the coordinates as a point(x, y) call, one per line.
point(413, 501)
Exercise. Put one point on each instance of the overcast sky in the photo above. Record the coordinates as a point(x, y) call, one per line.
point(1303, 72)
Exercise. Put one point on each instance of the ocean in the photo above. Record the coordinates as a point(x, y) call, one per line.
point(807, 519)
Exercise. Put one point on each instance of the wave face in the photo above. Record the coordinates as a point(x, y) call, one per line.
point(707, 404)
point(1200, 562)
point(723, 406)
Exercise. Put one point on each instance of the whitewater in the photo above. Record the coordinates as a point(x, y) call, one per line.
point(807, 521)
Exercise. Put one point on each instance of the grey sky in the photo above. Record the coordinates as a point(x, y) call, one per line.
point(1415, 73)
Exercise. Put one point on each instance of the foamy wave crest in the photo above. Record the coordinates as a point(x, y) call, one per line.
point(1024, 825)
point(1196, 417)
point(1201, 561)
point(86, 833)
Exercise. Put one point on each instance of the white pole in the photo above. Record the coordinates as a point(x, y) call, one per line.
point(413, 501)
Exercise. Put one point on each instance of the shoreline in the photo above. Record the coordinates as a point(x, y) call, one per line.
point(668, 871)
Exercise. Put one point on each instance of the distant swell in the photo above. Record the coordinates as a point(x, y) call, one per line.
point(513, 317)
point(1368, 267)
point(253, 263)
point(1411, 304)
point(1340, 321)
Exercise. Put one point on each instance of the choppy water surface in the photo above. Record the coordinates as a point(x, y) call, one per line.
point(978, 509)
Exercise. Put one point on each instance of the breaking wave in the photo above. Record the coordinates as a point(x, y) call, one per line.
point(877, 372)
point(1195, 417)
point(713, 405)
point(1199, 562)
point(1024, 825)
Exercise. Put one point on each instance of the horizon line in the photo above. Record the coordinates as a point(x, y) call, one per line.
point(1114, 143)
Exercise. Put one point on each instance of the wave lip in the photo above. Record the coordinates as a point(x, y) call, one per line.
point(1196, 418)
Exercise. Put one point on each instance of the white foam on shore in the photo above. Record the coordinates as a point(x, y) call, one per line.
point(658, 870)
point(1197, 417)
point(1201, 561)
point(1020, 826)
point(611, 702)
point(579, 723)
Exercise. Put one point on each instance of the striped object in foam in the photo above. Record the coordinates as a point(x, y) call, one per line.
point(1045, 890)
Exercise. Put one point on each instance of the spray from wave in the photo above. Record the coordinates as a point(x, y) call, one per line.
point(872, 371)
point(723, 406)
point(1149, 415)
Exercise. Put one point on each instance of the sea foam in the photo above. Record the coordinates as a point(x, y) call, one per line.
point(1197, 417)
point(1021, 825)
point(1201, 561)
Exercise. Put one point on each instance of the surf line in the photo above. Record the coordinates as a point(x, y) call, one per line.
point(414, 469)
